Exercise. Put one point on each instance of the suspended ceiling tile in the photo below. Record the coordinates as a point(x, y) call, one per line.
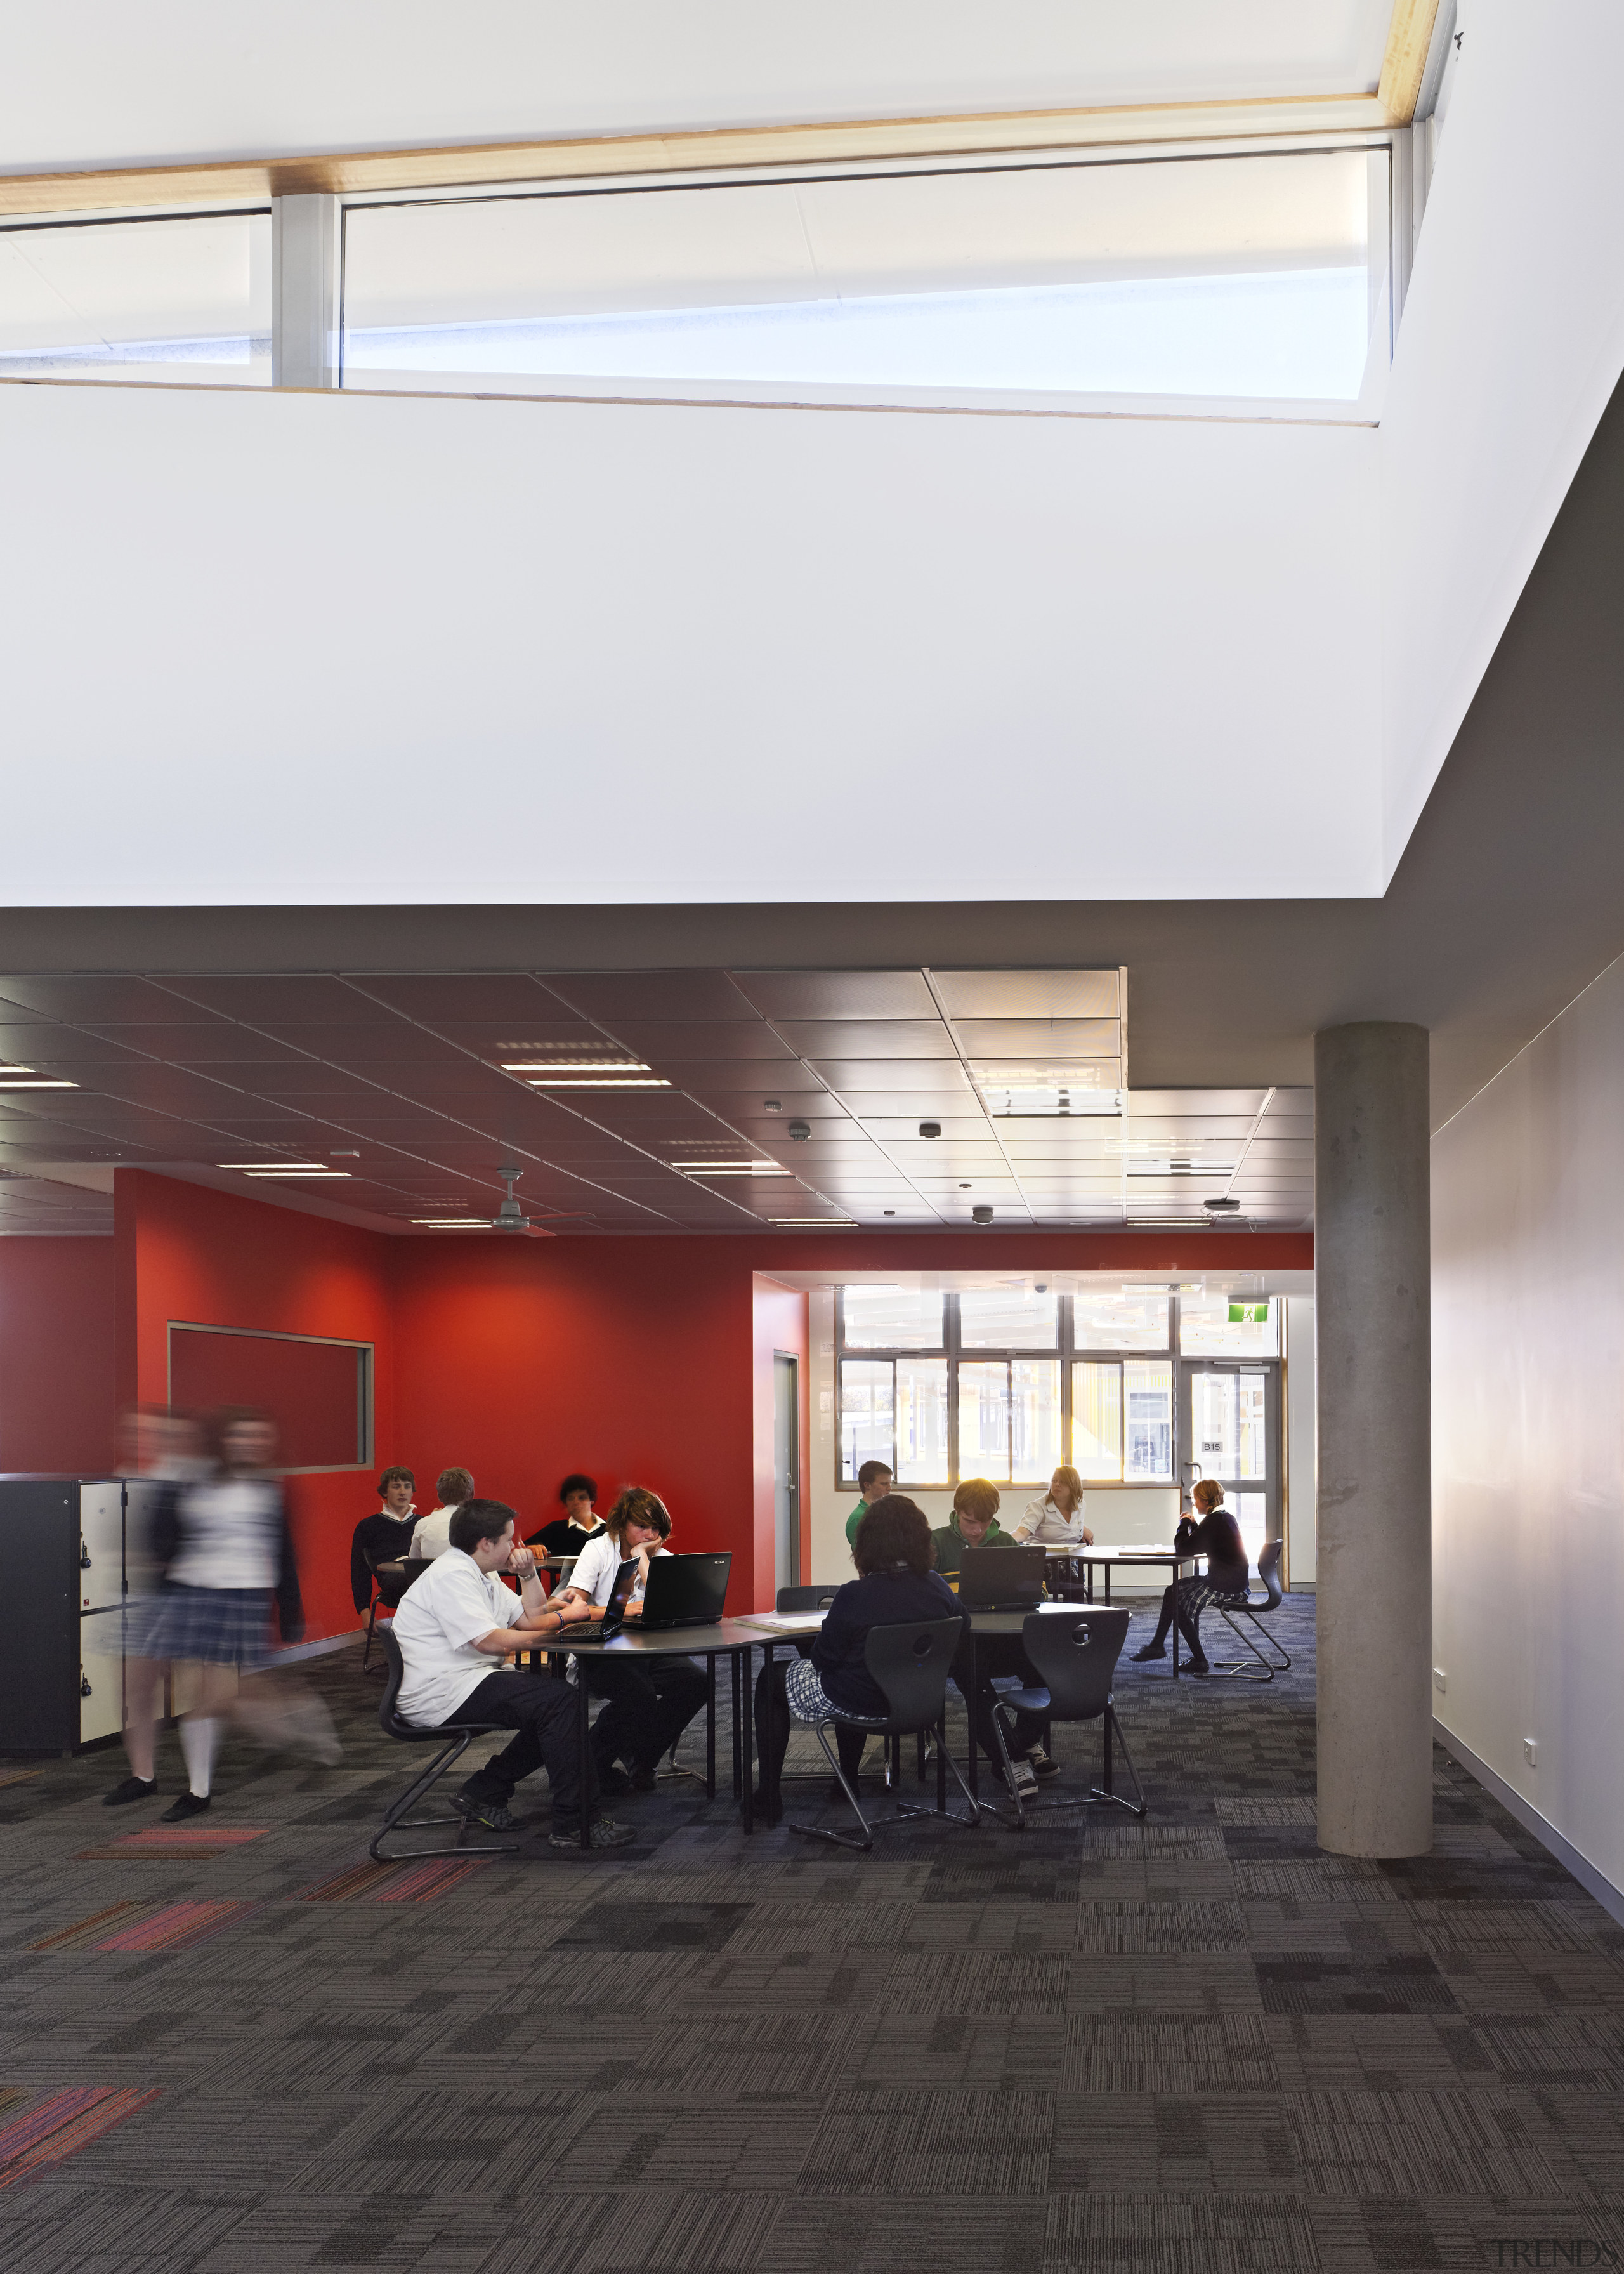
point(101, 1002)
point(498, 997)
point(554, 1034)
point(648, 997)
point(213, 1045)
point(842, 995)
point(1176, 1103)
point(907, 1108)
point(46, 1044)
point(1028, 994)
point(856, 1081)
point(290, 1001)
point(701, 1041)
point(372, 1040)
point(851, 1039)
point(1040, 1042)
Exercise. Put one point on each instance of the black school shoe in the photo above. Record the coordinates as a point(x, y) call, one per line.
point(1151, 1650)
point(190, 1804)
point(492, 1814)
point(133, 1788)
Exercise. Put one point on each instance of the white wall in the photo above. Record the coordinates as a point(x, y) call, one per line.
point(1512, 341)
point(1301, 1428)
point(298, 648)
point(1527, 1354)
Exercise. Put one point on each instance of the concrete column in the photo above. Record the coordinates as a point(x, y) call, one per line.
point(1373, 1606)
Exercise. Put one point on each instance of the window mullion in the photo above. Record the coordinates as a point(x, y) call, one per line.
point(950, 1329)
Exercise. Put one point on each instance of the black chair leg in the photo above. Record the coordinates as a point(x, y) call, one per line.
point(1005, 1756)
point(942, 1811)
point(1264, 1668)
point(822, 1832)
point(371, 1620)
point(396, 1818)
point(1112, 1728)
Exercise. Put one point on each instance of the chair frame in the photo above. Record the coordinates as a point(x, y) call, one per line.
point(1266, 1668)
point(458, 1736)
point(888, 1730)
point(1098, 1796)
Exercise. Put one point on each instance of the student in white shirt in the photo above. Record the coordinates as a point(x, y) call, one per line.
point(454, 1627)
point(651, 1701)
point(1056, 1518)
point(432, 1534)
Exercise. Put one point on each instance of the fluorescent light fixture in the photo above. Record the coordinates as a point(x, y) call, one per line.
point(280, 1169)
point(574, 1065)
point(33, 1082)
point(730, 1168)
point(452, 1223)
point(815, 1224)
point(1058, 1100)
point(602, 1081)
point(16, 1069)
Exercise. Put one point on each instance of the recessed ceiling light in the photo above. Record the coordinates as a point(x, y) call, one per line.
point(574, 1065)
point(814, 1223)
point(600, 1081)
point(729, 1168)
point(772, 1105)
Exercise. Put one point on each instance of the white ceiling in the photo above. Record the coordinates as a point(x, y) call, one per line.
point(102, 84)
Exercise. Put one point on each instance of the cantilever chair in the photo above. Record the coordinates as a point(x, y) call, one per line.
point(386, 1592)
point(454, 1740)
point(911, 1666)
point(1252, 1611)
point(1075, 1653)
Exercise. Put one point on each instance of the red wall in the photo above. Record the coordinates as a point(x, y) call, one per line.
point(643, 1360)
point(58, 1363)
point(187, 1252)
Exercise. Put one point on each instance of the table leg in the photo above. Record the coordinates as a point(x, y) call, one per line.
point(1108, 1583)
point(710, 1725)
point(746, 1713)
point(733, 1670)
point(970, 1701)
point(582, 1757)
point(1175, 1621)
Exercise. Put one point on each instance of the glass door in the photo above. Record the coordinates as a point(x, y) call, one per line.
point(1231, 1434)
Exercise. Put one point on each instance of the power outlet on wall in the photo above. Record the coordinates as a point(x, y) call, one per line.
point(1441, 1680)
point(1530, 1752)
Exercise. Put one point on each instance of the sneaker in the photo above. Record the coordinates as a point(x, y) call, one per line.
point(190, 1804)
point(133, 1788)
point(1021, 1779)
point(1042, 1764)
point(492, 1814)
point(1151, 1650)
point(605, 1833)
point(642, 1779)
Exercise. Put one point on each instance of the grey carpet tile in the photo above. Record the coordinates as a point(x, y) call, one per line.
point(1189, 2042)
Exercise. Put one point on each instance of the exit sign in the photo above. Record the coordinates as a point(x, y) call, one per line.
point(1249, 1314)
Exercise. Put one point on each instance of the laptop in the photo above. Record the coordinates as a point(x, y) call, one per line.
point(582, 1634)
point(1001, 1578)
point(685, 1591)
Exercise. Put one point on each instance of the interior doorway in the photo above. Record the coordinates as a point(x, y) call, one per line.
point(787, 1469)
point(1231, 1434)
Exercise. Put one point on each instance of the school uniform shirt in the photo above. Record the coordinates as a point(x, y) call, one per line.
point(884, 1599)
point(231, 1535)
point(1043, 1521)
point(562, 1537)
point(594, 1573)
point(438, 1623)
point(432, 1535)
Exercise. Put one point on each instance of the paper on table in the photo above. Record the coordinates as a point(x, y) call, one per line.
point(781, 1622)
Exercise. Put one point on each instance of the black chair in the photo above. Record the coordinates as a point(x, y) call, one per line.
point(454, 1740)
point(1075, 1653)
point(388, 1588)
point(1271, 1600)
point(911, 1666)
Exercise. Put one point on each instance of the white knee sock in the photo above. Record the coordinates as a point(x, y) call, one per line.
point(199, 1740)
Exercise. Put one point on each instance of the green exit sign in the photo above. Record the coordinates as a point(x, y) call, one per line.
point(1249, 1314)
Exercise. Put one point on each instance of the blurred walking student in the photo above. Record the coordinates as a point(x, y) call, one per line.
point(222, 1548)
point(432, 1535)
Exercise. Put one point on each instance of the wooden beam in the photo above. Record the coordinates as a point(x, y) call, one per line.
point(1410, 36)
point(241, 181)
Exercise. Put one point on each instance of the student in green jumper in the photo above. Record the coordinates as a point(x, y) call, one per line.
point(873, 1482)
point(974, 1524)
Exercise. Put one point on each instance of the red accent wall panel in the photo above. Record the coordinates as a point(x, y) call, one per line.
point(57, 1355)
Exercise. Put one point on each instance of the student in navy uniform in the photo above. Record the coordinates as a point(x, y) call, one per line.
point(568, 1534)
point(1217, 1537)
point(975, 1525)
point(383, 1536)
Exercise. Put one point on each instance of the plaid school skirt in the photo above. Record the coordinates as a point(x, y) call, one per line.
point(220, 1626)
point(808, 1700)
